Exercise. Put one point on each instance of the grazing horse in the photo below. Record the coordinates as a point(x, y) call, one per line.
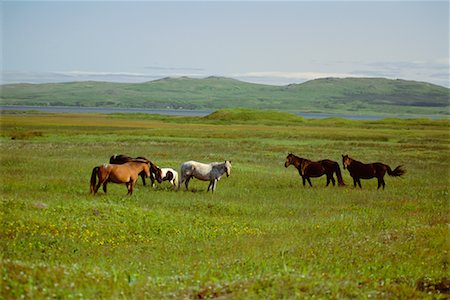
point(155, 171)
point(207, 172)
point(169, 174)
point(125, 173)
point(359, 170)
point(307, 168)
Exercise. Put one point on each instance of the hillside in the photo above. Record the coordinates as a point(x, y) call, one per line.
point(329, 95)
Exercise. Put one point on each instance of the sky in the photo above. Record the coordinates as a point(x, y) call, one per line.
point(256, 41)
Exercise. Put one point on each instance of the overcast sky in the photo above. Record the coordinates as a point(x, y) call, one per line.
point(266, 42)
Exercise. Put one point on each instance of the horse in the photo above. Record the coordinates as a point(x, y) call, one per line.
point(359, 170)
point(155, 171)
point(207, 172)
point(307, 168)
point(169, 174)
point(125, 173)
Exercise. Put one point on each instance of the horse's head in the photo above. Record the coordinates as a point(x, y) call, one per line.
point(168, 177)
point(289, 160)
point(346, 161)
point(157, 171)
point(227, 166)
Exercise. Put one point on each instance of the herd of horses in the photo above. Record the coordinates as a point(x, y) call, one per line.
point(124, 169)
point(358, 170)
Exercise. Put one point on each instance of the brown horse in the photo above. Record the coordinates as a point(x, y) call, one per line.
point(125, 173)
point(155, 171)
point(307, 168)
point(359, 170)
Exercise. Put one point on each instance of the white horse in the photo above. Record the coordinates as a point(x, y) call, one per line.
point(169, 174)
point(207, 172)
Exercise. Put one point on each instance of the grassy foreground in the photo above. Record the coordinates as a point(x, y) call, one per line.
point(261, 235)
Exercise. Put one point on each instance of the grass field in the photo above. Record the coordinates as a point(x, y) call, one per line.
point(260, 235)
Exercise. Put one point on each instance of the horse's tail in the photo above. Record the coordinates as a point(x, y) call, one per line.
point(339, 175)
point(94, 178)
point(399, 171)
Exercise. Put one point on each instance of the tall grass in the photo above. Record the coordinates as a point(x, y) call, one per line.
point(260, 235)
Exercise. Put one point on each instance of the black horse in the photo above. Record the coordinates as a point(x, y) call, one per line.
point(155, 171)
point(307, 168)
point(359, 170)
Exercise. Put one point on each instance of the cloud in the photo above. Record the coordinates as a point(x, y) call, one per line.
point(97, 74)
point(293, 75)
point(435, 71)
point(283, 78)
point(75, 75)
point(183, 69)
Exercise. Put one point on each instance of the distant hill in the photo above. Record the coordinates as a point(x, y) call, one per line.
point(328, 95)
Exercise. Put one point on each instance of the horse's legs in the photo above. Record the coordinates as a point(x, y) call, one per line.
point(186, 183)
point(214, 185)
point(354, 181)
point(180, 182)
point(210, 185)
point(330, 179)
point(309, 181)
point(97, 186)
point(359, 183)
point(381, 182)
point(130, 186)
point(143, 178)
point(304, 181)
point(102, 179)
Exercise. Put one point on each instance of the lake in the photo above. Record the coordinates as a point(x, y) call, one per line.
point(173, 112)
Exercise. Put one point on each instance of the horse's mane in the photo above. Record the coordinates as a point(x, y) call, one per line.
point(298, 157)
point(141, 160)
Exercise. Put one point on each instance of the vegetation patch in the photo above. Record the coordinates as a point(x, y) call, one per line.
point(25, 134)
point(260, 235)
point(243, 115)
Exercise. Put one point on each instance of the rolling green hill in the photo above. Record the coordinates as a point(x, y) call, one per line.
point(328, 95)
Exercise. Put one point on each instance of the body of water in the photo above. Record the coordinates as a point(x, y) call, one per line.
point(104, 110)
point(172, 112)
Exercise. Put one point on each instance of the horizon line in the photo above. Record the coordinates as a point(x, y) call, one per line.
point(203, 77)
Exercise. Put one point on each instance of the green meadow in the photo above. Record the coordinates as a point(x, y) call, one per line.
point(260, 235)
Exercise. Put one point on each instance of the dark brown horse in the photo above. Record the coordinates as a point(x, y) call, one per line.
point(307, 168)
point(155, 171)
point(127, 173)
point(359, 170)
